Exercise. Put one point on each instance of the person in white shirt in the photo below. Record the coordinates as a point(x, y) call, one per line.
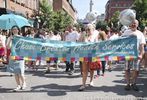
point(114, 34)
point(3, 45)
point(89, 37)
point(54, 36)
point(131, 82)
point(72, 36)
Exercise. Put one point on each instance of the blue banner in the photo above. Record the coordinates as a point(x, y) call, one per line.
point(24, 47)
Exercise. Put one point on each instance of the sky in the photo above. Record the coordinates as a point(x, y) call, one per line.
point(82, 7)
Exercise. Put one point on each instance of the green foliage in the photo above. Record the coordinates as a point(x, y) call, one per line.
point(80, 25)
point(140, 6)
point(46, 16)
point(101, 25)
point(61, 20)
point(53, 20)
point(114, 21)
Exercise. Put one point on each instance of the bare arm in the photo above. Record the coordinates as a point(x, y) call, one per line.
point(141, 48)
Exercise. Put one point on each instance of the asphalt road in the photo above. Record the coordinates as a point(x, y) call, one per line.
point(58, 85)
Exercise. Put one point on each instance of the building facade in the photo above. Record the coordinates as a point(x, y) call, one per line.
point(21, 7)
point(65, 5)
point(116, 5)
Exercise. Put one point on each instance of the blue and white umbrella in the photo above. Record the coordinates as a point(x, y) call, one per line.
point(9, 20)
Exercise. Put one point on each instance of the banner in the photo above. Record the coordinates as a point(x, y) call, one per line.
point(124, 48)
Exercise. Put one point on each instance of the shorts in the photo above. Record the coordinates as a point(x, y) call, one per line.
point(2, 51)
point(133, 65)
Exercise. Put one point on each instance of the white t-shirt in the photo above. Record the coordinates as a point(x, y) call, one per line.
point(93, 37)
point(3, 40)
point(73, 37)
point(140, 36)
point(113, 37)
point(55, 37)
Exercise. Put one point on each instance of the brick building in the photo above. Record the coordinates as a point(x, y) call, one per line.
point(65, 5)
point(116, 5)
point(21, 7)
point(26, 8)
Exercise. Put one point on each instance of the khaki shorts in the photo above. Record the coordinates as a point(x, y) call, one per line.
point(133, 65)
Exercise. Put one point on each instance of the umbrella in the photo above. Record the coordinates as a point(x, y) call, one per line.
point(9, 20)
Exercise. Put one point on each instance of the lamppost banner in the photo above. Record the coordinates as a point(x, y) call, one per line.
point(123, 48)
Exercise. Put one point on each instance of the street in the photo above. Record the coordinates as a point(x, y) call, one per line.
point(58, 85)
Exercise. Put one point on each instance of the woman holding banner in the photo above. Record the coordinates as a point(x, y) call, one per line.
point(89, 37)
point(16, 66)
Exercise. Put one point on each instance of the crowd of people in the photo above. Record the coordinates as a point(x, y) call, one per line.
point(73, 34)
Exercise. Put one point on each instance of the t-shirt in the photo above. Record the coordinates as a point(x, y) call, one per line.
point(55, 37)
point(93, 37)
point(139, 34)
point(73, 37)
point(114, 36)
point(3, 40)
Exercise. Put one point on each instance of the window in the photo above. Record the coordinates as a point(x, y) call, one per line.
point(117, 5)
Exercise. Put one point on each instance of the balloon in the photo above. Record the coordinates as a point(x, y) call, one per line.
point(127, 16)
point(91, 16)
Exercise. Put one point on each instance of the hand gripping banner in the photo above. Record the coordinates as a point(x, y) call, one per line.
point(124, 48)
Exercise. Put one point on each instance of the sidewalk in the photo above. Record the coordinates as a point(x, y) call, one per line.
point(60, 86)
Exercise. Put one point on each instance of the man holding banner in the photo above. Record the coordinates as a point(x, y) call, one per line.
point(135, 64)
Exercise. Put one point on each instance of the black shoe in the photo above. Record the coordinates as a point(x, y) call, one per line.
point(82, 88)
point(127, 87)
point(109, 69)
point(47, 71)
point(71, 72)
point(134, 87)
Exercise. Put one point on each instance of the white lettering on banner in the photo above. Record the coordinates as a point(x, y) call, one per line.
point(30, 46)
point(22, 45)
point(108, 46)
point(47, 48)
point(123, 45)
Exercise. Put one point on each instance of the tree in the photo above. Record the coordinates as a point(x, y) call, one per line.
point(46, 15)
point(140, 6)
point(61, 20)
point(114, 21)
point(101, 25)
point(79, 25)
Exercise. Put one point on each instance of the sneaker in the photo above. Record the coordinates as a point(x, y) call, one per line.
point(127, 87)
point(134, 87)
point(82, 88)
point(17, 88)
point(23, 86)
point(91, 83)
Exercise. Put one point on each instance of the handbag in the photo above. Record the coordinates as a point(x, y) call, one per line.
point(95, 65)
